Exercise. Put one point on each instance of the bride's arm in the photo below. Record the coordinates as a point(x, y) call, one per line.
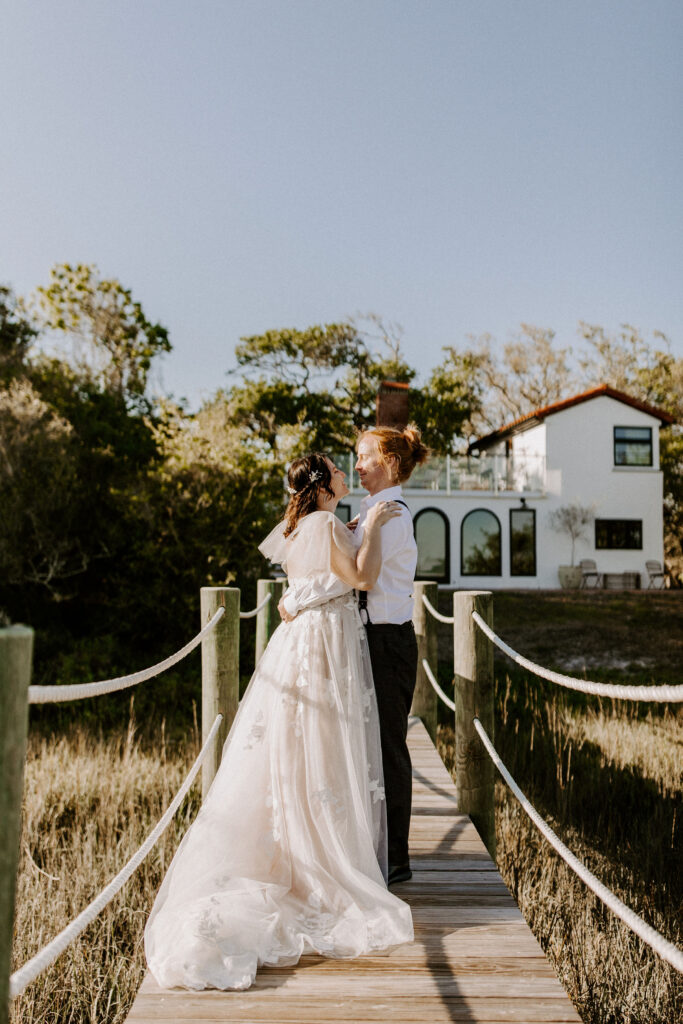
point(362, 571)
point(309, 594)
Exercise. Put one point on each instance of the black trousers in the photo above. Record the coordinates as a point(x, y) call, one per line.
point(393, 653)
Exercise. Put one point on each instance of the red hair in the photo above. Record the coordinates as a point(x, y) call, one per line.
point(400, 449)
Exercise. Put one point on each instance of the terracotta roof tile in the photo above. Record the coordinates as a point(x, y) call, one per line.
point(566, 403)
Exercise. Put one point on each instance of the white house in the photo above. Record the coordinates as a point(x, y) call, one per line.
point(482, 521)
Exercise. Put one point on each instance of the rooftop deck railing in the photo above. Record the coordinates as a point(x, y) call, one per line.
point(453, 473)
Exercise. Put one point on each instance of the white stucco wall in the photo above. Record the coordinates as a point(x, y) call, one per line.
point(580, 444)
point(530, 442)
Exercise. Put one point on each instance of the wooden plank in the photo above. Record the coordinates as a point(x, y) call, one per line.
point(256, 1005)
point(473, 958)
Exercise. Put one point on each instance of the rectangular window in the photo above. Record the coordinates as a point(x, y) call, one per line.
point(624, 534)
point(633, 446)
point(343, 512)
point(522, 542)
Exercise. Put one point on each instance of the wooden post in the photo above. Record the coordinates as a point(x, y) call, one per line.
point(220, 671)
point(473, 671)
point(268, 619)
point(424, 698)
point(16, 651)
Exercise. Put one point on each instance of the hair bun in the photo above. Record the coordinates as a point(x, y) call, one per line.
point(413, 437)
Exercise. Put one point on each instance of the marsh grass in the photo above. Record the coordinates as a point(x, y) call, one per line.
point(89, 802)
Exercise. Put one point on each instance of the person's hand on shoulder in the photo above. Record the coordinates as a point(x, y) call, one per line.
point(352, 524)
point(381, 513)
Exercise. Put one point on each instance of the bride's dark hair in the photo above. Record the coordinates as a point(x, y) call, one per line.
point(307, 476)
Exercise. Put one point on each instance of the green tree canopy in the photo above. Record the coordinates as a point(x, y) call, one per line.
point(323, 380)
point(113, 341)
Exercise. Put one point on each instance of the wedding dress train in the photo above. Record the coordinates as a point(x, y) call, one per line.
point(288, 852)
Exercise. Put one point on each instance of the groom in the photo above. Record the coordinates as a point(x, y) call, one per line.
point(387, 612)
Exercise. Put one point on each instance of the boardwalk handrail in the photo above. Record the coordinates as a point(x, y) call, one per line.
point(437, 615)
point(77, 691)
point(653, 693)
point(30, 971)
point(430, 676)
point(257, 609)
point(672, 954)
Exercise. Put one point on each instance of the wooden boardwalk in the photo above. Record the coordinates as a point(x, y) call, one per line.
point(473, 957)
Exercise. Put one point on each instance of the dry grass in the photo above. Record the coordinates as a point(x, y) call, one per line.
point(89, 803)
point(609, 784)
point(611, 976)
point(652, 745)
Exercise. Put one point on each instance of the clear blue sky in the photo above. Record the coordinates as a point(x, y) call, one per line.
point(457, 166)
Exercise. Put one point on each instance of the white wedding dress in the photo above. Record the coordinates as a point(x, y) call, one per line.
point(288, 852)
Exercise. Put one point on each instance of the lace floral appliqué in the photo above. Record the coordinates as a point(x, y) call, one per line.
point(257, 732)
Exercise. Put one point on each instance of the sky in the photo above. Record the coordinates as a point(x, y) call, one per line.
point(457, 167)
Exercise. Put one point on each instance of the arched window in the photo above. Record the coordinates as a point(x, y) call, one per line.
point(432, 535)
point(480, 544)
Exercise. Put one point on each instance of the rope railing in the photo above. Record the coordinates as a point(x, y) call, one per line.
point(30, 971)
point(256, 610)
point(77, 691)
point(667, 950)
point(430, 676)
point(437, 615)
point(650, 693)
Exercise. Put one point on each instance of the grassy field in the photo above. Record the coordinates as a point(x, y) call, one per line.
point(608, 778)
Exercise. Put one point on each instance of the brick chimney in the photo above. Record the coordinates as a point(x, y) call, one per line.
point(393, 404)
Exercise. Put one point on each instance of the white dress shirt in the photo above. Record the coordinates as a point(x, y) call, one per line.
point(391, 600)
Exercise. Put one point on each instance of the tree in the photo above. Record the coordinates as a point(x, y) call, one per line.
point(446, 407)
point(573, 520)
point(318, 386)
point(16, 336)
point(38, 483)
point(113, 341)
point(81, 432)
point(530, 374)
point(322, 380)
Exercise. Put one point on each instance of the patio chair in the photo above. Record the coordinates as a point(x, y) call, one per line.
point(589, 572)
point(656, 577)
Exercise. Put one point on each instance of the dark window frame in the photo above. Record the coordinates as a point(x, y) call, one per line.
point(523, 574)
point(500, 552)
point(622, 440)
point(601, 524)
point(346, 508)
point(433, 577)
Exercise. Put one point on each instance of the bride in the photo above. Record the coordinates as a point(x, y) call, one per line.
point(288, 852)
